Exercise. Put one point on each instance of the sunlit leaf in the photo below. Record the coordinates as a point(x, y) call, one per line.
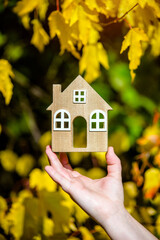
point(81, 171)
point(152, 182)
point(42, 8)
point(38, 237)
point(100, 233)
point(96, 173)
point(86, 234)
point(158, 224)
point(3, 208)
point(80, 215)
point(73, 208)
point(133, 40)
point(92, 57)
point(59, 27)
point(8, 160)
point(72, 238)
point(100, 156)
point(24, 165)
point(52, 203)
point(6, 85)
point(48, 226)
point(120, 146)
point(125, 6)
point(45, 140)
point(43, 160)
point(75, 157)
point(131, 189)
point(40, 38)
point(26, 21)
point(24, 6)
point(40, 180)
point(157, 159)
point(16, 219)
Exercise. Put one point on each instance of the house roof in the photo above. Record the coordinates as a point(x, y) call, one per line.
point(80, 81)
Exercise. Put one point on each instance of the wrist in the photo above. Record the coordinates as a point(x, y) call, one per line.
point(122, 225)
point(117, 218)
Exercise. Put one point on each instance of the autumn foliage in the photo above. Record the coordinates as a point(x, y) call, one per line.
point(44, 42)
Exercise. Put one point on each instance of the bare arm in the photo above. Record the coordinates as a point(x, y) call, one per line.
point(101, 198)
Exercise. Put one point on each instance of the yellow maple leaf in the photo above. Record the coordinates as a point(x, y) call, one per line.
point(6, 85)
point(26, 21)
point(158, 224)
point(87, 235)
point(133, 40)
point(100, 156)
point(86, 20)
point(151, 182)
point(68, 9)
point(125, 6)
point(96, 173)
point(38, 237)
point(48, 226)
point(59, 27)
point(154, 40)
point(8, 160)
point(25, 6)
point(24, 165)
point(151, 3)
point(40, 38)
point(108, 7)
point(41, 180)
point(85, 24)
point(45, 140)
point(42, 8)
point(92, 4)
point(93, 56)
point(15, 219)
point(3, 208)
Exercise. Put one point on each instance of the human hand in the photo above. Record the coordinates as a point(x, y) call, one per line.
point(100, 198)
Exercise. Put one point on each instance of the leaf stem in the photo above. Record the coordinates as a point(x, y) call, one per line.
point(57, 4)
point(128, 23)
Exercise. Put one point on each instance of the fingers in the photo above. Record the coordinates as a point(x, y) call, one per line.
point(64, 161)
point(57, 165)
point(113, 164)
point(58, 178)
point(54, 161)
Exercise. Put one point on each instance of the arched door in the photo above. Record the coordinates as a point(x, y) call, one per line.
point(79, 132)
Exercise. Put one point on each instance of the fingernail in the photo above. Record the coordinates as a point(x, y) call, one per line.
point(111, 148)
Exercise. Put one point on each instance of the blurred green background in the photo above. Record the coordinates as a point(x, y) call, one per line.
point(134, 132)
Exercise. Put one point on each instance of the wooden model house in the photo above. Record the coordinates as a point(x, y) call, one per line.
point(79, 99)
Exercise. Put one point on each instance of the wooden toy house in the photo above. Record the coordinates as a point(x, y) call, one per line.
point(79, 99)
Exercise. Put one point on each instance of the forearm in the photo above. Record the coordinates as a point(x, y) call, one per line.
point(123, 226)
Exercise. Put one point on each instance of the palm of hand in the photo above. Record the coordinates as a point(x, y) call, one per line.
point(91, 195)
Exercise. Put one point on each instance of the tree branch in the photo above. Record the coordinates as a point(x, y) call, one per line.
point(119, 19)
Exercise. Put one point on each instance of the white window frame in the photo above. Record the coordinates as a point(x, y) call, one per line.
point(62, 120)
point(97, 121)
point(79, 96)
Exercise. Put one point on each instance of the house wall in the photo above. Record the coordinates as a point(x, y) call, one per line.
point(63, 140)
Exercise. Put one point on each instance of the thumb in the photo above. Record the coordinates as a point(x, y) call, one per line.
point(113, 164)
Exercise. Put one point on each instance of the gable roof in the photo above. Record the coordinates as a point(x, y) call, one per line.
point(80, 81)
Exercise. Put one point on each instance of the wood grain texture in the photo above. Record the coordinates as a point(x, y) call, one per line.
point(62, 141)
